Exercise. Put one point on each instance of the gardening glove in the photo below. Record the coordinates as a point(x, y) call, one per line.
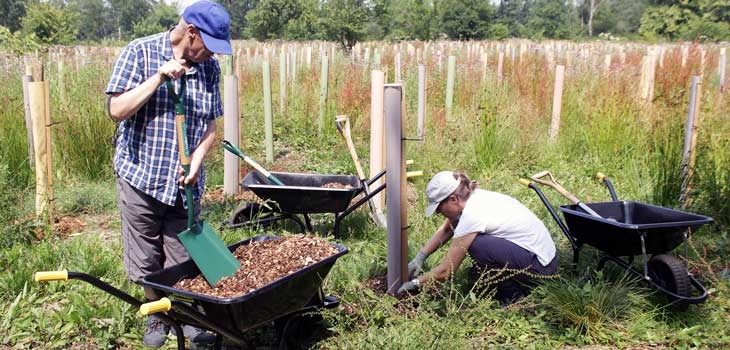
point(415, 266)
point(410, 286)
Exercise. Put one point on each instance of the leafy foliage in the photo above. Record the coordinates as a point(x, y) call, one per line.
point(344, 21)
point(51, 24)
point(464, 20)
point(17, 43)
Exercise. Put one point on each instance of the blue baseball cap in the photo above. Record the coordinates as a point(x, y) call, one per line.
point(213, 22)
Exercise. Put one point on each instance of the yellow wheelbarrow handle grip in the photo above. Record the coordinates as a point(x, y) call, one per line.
point(525, 182)
point(600, 176)
point(156, 306)
point(41, 276)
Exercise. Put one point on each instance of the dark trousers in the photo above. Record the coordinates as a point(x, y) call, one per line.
point(500, 256)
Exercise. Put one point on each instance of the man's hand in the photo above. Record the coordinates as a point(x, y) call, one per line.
point(409, 286)
point(415, 266)
point(172, 69)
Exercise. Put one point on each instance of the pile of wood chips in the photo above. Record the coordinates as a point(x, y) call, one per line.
point(263, 262)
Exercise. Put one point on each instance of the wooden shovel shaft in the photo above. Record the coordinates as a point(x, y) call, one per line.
point(554, 184)
point(182, 146)
point(343, 125)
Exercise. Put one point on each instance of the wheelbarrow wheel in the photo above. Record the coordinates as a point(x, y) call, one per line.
point(670, 273)
point(248, 211)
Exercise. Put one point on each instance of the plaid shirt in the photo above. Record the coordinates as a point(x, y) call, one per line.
point(146, 153)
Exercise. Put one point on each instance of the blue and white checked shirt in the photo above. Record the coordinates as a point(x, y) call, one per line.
point(146, 153)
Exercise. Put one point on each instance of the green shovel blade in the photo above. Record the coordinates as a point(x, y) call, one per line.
point(209, 252)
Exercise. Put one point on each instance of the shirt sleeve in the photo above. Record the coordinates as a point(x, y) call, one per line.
point(127, 71)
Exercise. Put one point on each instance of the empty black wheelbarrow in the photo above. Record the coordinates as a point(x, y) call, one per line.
point(279, 302)
point(302, 194)
point(624, 229)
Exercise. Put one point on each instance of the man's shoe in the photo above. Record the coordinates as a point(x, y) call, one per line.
point(156, 332)
point(197, 335)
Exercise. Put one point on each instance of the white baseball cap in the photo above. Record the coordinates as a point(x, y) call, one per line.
point(440, 187)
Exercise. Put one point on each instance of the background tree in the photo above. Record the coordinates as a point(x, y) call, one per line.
point(12, 11)
point(687, 20)
point(464, 20)
point(551, 19)
point(238, 10)
point(270, 17)
point(410, 20)
point(126, 13)
point(17, 43)
point(588, 10)
point(95, 20)
point(345, 21)
point(50, 23)
point(510, 19)
point(162, 18)
point(308, 25)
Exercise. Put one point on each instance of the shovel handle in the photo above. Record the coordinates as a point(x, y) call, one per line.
point(233, 149)
point(184, 151)
point(554, 184)
point(182, 142)
point(343, 126)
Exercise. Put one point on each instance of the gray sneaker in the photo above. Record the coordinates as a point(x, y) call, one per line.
point(197, 335)
point(156, 332)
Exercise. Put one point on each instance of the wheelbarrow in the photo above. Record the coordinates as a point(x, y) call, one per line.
point(302, 194)
point(278, 302)
point(625, 229)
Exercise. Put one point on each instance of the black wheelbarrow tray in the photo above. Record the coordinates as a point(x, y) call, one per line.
point(302, 194)
point(626, 229)
point(229, 318)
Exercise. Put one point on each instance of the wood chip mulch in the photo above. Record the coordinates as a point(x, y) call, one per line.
point(263, 262)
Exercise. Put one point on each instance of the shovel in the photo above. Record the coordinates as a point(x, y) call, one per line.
point(233, 149)
point(343, 126)
point(204, 246)
point(554, 184)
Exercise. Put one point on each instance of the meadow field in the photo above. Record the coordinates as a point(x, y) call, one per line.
point(497, 131)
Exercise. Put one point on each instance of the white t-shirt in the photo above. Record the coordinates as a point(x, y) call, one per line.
point(502, 216)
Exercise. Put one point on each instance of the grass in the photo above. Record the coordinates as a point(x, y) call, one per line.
point(499, 135)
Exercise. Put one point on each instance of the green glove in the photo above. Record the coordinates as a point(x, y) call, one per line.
point(415, 266)
point(410, 286)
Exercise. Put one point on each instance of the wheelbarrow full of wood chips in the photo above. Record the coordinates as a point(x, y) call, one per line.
point(230, 313)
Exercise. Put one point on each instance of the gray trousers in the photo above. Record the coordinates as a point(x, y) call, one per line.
point(149, 232)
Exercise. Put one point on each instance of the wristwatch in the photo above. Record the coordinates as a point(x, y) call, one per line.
point(416, 282)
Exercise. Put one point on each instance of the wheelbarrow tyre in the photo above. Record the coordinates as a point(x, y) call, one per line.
point(248, 211)
point(671, 274)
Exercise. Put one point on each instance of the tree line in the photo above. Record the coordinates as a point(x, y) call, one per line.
point(29, 24)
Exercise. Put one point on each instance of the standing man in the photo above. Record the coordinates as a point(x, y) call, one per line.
point(146, 159)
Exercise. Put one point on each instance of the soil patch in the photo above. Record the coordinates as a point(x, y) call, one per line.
point(262, 263)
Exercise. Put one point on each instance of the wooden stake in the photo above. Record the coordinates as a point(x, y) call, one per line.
point(557, 101)
point(377, 130)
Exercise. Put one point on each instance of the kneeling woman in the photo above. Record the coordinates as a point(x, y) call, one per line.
point(496, 230)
